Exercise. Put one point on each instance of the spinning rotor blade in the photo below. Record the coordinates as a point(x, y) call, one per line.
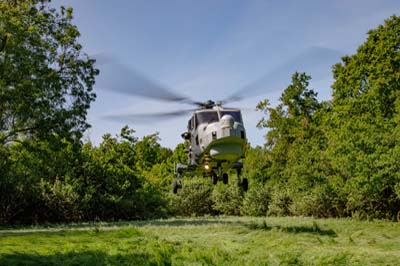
point(147, 118)
point(117, 77)
point(315, 61)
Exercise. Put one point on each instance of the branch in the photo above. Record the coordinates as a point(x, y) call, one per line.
point(7, 137)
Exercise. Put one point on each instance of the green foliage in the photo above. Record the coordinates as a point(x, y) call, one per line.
point(32, 165)
point(363, 140)
point(151, 202)
point(368, 81)
point(293, 132)
point(114, 186)
point(227, 199)
point(64, 181)
point(194, 199)
point(256, 200)
point(281, 202)
point(46, 80)
point(161, 173)
point(320, 201)
point(340, 157)
point(256, 164)
point(61, 200)
point(149, 152)
point(111, 180)
point(180, 154)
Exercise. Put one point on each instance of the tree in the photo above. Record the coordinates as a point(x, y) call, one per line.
point(149, 152)
point(296, 164)
point(369, 81)
point(364, 123)
point(46, 80)
point(180, 154)
point(290, 124)
point(256, 164)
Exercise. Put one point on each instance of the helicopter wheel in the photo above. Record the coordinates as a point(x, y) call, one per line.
point(245, 184)
point(214, 178)
point(225, 178)
point(239, 179)
point(175, 186)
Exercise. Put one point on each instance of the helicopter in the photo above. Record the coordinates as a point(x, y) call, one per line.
point(216, 140)
point(215, 135)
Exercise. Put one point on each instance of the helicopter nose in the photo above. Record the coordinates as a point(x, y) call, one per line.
point(227, 121)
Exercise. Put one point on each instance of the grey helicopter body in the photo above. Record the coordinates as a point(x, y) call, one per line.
point(216, 141)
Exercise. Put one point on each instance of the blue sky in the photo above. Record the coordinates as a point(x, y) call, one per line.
point(209, 49)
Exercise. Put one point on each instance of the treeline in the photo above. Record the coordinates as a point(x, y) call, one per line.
point(124, 178)
point(336, 158)
point(339, 157)
point(64, 181)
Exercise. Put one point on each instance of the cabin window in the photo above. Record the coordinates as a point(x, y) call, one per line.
point(235, 114)
point(207, 117)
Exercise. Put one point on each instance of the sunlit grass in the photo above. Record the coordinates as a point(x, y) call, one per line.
point(206, 241)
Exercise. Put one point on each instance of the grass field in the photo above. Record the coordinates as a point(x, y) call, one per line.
point(206, 241)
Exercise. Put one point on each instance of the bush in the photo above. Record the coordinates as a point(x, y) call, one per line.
point(320, 201)
point(281, 202)
point(227, 199)
point(372, 197)
point(61, 200)
point(397, 189)
point(256, 200)
point(152, 203)
point(194, 199)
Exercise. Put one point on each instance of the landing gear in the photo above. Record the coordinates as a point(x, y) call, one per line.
point(244, 183)
point(225, 178)
point(176, 185)
point(214, 178)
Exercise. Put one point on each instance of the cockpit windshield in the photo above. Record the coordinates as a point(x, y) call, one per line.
point(235, 114)
point(206, 117)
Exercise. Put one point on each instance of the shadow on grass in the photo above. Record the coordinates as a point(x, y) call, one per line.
point(98, 258)
point(68, 229)
point(177, 222)
point(312, 229)
point(188, 222)
point(64, 228)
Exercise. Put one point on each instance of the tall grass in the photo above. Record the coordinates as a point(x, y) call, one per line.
point(206, 241)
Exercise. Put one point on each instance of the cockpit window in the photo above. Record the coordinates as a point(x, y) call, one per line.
point(206, 117)
point(235, 114)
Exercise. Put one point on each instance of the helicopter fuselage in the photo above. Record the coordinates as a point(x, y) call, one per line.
point(216, 139)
